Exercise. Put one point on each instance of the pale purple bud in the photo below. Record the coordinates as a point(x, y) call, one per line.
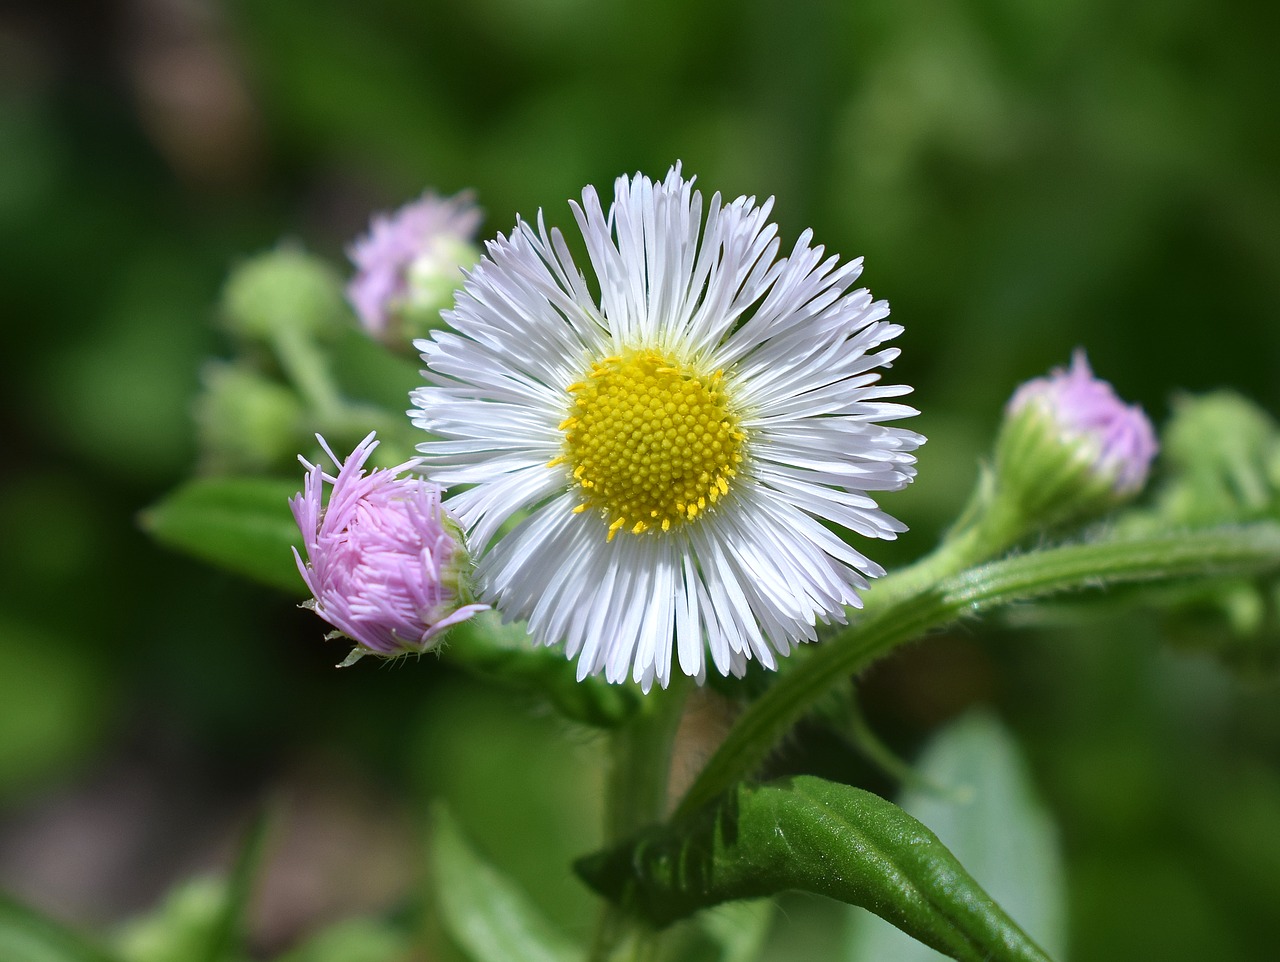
point(385, 564)
point(1118, 437)
point(410, 262)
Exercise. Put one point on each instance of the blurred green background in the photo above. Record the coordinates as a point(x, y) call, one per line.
point(1022, 177)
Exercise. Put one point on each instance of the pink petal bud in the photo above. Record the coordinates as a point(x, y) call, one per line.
point(435, 231)
point(1087, 411)
point(384, 561)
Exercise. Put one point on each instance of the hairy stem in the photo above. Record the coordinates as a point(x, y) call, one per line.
point(910, 604)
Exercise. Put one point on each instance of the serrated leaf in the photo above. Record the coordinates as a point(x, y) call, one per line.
point(483, 910)
point(990, 819)
point(241, 524)
point(817, 836)
point(28, 936)
point(505, 654)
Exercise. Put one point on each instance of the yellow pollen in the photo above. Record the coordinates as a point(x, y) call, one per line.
point(650, 441)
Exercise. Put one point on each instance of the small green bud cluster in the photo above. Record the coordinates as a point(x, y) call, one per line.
point(254, 412)
point(1221, 466)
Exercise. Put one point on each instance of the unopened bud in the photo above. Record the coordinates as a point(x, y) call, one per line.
point(409, 265)
point(386, 566)
point(284, 292)
point(246, 422)
point(1069, 447)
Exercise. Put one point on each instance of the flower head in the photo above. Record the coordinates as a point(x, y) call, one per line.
point(410, 263)
point(1087, 410)
point(384, 564)
point(1070, 446)
point(668, 436)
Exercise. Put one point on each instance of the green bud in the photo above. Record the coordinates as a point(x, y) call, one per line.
point(1222, 454)
point(1221, 466)
point(247, 423)
point(283, 293)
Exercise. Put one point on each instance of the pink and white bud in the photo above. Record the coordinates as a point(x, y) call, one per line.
point(1070, 448)
point(409, 264)
point(385, 564)
point(1119, 437)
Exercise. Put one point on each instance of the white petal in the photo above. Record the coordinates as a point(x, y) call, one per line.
point(802, 353)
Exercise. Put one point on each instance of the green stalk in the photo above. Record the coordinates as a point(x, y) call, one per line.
point(307, 369)
point(636, 796)
point(907, 605)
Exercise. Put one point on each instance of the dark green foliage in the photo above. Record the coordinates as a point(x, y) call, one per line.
point(816, 836)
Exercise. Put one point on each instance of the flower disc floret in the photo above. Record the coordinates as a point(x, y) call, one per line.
point(649, 442)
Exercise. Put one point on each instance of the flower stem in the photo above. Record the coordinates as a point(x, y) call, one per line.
point(910, 603)
point(640, 763)
point(307, 369)
point(636, 796)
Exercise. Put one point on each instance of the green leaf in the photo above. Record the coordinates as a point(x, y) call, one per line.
point(201, 920)
point(816, 836)
point(28, 936)
point(483, 911)
point(242, 524)
point(179, 928)
point(992, 821)
point(505, 654)
point(739, 928)
point(355, 940)
point(226, 935)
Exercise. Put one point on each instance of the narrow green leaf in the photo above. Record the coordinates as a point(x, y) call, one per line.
point(242, 524)
point(504, 654)
point(991, 819)
point(484, 911)
point(179, 928)
point(816, 836)
point(227, 932)
point(28, 936)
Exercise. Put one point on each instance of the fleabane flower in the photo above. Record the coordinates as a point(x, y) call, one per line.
point(669, 434)
point(410, 263)
point(385, 565)
point(1069, 446)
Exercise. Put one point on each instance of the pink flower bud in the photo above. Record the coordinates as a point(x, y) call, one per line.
point(385, 564)
point(1117, 438)
point(409, 263)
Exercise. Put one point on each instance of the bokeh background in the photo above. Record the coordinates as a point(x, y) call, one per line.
point(1022, 177)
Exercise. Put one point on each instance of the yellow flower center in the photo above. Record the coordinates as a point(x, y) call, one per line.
point(652, 443)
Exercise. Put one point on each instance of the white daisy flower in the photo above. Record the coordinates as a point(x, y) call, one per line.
point(671, 432)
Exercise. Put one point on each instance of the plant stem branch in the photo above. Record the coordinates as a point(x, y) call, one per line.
point(915, 601)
